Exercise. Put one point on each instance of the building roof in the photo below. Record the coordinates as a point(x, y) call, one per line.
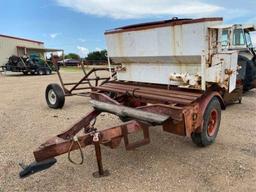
point(23, 39)
point(171, 22)
point(45, 50)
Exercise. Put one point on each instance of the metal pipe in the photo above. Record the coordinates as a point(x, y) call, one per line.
point(130, 112)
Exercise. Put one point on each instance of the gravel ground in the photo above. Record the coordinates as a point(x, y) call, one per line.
point(168, 163)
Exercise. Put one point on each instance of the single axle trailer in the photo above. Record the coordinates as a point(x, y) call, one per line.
point(176, 74)
point(190, 113)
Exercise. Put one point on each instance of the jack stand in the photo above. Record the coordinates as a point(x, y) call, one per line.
point(101, 172)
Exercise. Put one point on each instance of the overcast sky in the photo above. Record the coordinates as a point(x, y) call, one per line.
point(78, 25)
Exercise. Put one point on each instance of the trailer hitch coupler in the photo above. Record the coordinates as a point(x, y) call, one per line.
point(36, 167)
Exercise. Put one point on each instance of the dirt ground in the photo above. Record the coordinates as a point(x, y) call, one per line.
point(168, 163)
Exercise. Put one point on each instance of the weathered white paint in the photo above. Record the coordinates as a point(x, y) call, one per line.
point(8, 47)
point(154, 72)
point(151, 55)
point(178, 40)
point(222, 62)
point(162, 55)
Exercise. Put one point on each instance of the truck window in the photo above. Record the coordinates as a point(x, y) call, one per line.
point(224, 38)
point(253, 38)
point(238, 37)
point(248, 39)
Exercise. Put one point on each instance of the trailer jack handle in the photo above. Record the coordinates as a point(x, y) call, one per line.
point(34, 167)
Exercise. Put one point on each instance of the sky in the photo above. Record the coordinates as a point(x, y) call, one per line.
point(78, 26)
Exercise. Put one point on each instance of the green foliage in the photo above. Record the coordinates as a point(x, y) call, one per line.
point(97, 56)
point(72, 56)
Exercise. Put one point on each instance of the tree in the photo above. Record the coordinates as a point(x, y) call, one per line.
point(97, 56)
point(72, 56)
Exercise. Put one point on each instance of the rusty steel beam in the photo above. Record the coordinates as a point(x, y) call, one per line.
point(159, 98)
point(59, 145)
point(74, 83)
point(157, 95)
point(170, 93)
point(82, 124)
point(163, 88)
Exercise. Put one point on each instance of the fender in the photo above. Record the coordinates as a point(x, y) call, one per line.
point(203, 103)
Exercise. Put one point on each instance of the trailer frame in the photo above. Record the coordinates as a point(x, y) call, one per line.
point(55, 94)
point(178, 111)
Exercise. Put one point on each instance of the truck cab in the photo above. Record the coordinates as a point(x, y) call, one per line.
point(237, 37)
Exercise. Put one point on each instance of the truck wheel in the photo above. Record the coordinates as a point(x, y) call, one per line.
point(209, 131)
point(48, 72)
point(247, 73)
point(54, 96)
point(41, 72)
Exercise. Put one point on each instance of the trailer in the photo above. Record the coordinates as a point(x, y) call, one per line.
point(27, 65)
point(55, 94)
point(175, 74)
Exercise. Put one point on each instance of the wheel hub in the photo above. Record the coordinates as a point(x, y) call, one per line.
point(212, 123)
point(52, 97)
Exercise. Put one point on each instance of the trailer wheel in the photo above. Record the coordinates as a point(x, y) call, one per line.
point(54, 96)
point(209, 131)
point(41, 72)
point(48, 72)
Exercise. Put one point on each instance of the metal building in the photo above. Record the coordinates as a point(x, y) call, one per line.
point(18, 46)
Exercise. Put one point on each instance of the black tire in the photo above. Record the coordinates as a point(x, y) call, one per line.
point(25, 72)
point(54, 96)
point(247, 73)
point(210, 129)
point(48, 72)
point(41, 72)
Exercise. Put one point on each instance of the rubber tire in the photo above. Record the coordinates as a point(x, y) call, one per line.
point(60, 97)
point(41, 72)
point(48, 72)
point(250, 72)
point(25, 73)
point(202, 139)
